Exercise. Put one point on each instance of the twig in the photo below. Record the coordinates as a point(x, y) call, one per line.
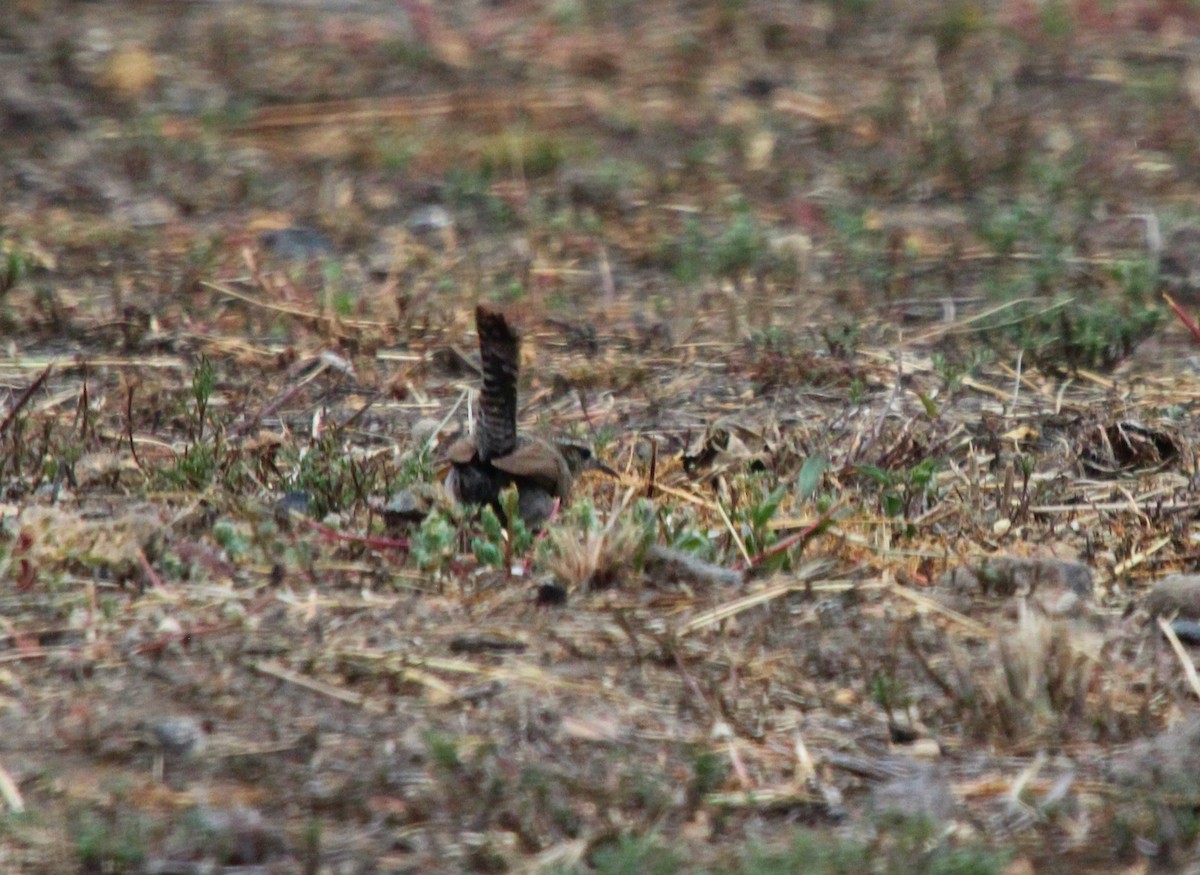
point(274, 670)
point(1189, 668)
point(732, 531)
point(1184, 317)
point(24, 399)
point(151, 574)
point(11, 792)
point(129, 423)
point(790, 541)
point(377, 541)
point(653, 468)
point(937, 607)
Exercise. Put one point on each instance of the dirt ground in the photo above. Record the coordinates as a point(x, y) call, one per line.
point(862, 301)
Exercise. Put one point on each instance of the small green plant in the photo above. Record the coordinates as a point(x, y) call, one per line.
point(107, 841)
point(195, 468)
point(808, 852)
point(857, 391)
point(492, 548)
point(227, 534)
point(950, 372)
point(738, 250)
point(645, 855)
point(333, 479)
point(432, 546)
point(685, 254)
point(500, 544)
point(756, 519)
point(708, 774)
point(13, 270)
point(809, 479)
point(204, 381)
point(443, 751)
point(899, 491)
point(338, 296)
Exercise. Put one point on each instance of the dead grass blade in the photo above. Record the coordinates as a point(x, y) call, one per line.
point(1185, 661)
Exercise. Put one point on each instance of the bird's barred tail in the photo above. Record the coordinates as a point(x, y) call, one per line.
point(499, 348)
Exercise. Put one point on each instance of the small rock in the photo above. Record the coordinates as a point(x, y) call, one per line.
point(130, 72)
point(235, 836)
point(1177, 594)
point(596, 190)
point(430, 220)
point(1016, 575)
point(924, 794)
point(297, 502)
point(297, 243)
point(1179, 269)
point(665, 564)
point(1187, 631)
point(176, 737)
point(423, 429)
point(407, 507)
point(1168, 763)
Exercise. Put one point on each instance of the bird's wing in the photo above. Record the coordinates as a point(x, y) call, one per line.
point(539, 463)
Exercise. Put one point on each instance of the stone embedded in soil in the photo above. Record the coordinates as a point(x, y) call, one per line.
point(1187, 631)
point(1177, 594)
point(430, 219)
point(175, 736)
point(924, 794)
point(408, 507)
point(1018, 575)
point(1169, 763)
point(297, 243)
point(236, 836)
point(1058, 587)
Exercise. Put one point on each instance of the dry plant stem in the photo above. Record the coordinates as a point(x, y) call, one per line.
point(1184, 317)
point(733, 534)
point(129, 425)
point(151, 574)
point(790, 541)
point(84, 403)
point(653, 468)
point(1185, 660)
point(271, 406)
point(24, 399)
point(10, 792)
point(315, 318)
point(801, 580)
point(923, 601)
point(1140, 557)
point(271, 669)
point(378, 542)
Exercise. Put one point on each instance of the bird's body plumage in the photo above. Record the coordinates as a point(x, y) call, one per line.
point(496, 457)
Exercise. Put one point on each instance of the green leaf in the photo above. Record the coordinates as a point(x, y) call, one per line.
point(487, 553)
point(891, 503)
point(491, 524)
point(811, 471)
point(761, 513)
point(880, 476)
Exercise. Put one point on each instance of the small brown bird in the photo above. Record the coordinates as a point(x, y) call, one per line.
point(497, 457)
